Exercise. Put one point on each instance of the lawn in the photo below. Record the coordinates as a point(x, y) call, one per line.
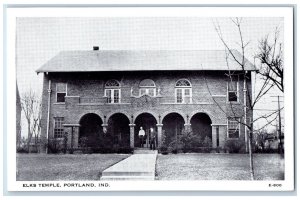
point(218, 167)
point(49, 167)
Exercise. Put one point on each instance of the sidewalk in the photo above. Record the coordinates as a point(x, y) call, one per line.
point(139, 166)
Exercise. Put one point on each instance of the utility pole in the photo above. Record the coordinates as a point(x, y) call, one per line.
point(279, 128)
point(279, 124)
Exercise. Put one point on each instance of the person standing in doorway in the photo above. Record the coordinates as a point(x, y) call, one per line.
point(152, 139)
point(141, 136)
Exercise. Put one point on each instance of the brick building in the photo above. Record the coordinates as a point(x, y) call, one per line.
point(87, 94)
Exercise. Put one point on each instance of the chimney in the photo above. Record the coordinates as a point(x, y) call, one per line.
point(95, 48)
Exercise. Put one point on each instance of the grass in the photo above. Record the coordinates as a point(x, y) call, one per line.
point(218, 167)
point(42, 167)
point(49, 167)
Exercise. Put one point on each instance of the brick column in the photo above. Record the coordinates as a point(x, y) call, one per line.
point(69, 131)
point(214, 136)
point(187, 127)
point(72, 137)
point(132, 135)
point(75, 136)
point(159, 134)
point(104, 127)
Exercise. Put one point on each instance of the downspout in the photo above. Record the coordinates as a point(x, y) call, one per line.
point(48, 114)
point(245, 112)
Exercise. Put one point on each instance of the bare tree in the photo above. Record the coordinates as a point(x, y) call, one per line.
point(271, 58)
point(260, 138)
point(31, 106)
point(250, 100)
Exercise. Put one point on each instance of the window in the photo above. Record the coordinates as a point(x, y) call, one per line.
point(183, 91)
point(58, 127)
point(61, 92)
point(147, 86)
point(233, 91)
point(112, 91)
point(233, 127)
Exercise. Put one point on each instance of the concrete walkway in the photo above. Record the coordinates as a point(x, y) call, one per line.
point(140, 166)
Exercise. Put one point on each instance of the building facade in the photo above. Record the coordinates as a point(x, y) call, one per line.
point(89, 96)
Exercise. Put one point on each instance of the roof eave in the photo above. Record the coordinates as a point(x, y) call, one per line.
point(51, 71)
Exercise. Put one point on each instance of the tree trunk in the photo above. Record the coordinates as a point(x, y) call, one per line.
point(29, 138)
point(250, 151)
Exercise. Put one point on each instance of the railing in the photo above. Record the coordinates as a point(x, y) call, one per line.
point(164, 100)
point(100, 100)
point(92, 100)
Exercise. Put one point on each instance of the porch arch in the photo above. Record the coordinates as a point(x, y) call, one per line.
point(173, 125)
point(90, 130)
point(109, 115)
point(154, 114)
point(145, 120)
point(201, 125)
point(169, 112)
point(209, 114)
point(118, 129)
point(80, 115)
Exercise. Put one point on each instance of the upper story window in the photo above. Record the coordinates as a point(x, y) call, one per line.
point(147, 86)
point(61, 92)
point(183, 91)
point(233, 127)
point(58, 127)
point(233, 88)
point(112, 91)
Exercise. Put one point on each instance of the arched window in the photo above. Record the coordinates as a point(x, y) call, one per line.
point(183, 91)
point(112, 91)
point(147, 86)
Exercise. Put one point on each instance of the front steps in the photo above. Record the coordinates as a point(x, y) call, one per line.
point(140, 166)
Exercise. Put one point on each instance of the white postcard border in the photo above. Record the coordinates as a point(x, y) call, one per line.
point(286, 12)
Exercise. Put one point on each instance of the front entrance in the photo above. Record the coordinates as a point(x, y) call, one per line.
point(146, 121)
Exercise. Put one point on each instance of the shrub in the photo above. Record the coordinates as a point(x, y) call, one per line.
point(187, 141)
point(164, 149)
point(55, 146)
point(22, 150)
point(102, 150)
point(127, 150)
point(207, 142)
point(190, 140)
point(87, 150)
point(175, 146)
point(34, 150)
point(234, 146)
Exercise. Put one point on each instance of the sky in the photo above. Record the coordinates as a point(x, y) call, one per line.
point(40, 39)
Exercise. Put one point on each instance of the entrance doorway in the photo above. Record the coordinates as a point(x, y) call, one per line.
point(147, 121)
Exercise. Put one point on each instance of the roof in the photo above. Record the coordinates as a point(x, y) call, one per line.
point(143, 60)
